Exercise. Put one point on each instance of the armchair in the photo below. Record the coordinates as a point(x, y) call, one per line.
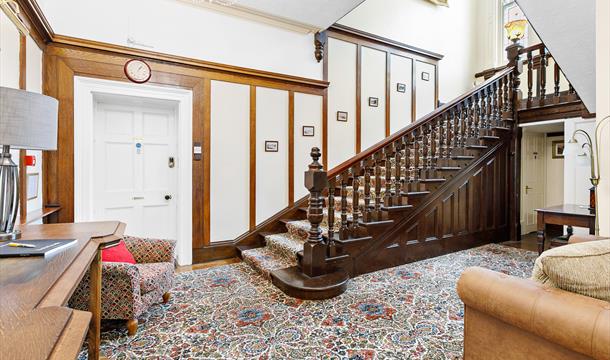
point(128, 290)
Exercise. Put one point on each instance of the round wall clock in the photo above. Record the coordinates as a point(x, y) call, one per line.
point(137, 71)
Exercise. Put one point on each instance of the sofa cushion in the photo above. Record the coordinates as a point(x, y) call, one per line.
point(582, 268)
point(155, 276)
point(118, 253)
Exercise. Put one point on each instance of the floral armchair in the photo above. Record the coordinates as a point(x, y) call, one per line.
point(128, 290)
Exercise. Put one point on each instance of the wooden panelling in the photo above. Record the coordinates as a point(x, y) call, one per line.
point(252, 157)
point(23, 185)
point(63, 62)
point(290, 148)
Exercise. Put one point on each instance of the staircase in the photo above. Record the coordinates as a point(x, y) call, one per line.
point(442, 184)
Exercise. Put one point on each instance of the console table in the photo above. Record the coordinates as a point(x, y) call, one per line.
point(552, 219)
point(34, 320)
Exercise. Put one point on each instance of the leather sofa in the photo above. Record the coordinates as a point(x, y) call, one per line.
point(506, 317)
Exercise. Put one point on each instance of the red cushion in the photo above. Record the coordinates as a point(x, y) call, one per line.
point(118, 253)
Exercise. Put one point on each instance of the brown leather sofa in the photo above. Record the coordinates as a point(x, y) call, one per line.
point(506, 317)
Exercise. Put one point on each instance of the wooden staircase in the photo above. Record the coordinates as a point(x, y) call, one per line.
point(442, 184)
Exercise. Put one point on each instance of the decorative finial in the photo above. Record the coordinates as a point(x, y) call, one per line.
point(315, 155)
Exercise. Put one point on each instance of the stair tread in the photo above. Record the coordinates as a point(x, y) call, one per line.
point(489, 137)
point(477, 146)
point(285, 244)
point(265, 260)
point(448, 168)
point(465, 157)
point(503, 128)
point(432, 180)
point(416, 193)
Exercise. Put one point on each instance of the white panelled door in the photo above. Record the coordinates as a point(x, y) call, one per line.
point(532, 179)
point(135, 175)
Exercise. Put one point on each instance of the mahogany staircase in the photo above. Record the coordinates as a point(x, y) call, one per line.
point(444, 183)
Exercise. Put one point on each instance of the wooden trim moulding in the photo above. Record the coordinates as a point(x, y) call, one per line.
point(252, 157)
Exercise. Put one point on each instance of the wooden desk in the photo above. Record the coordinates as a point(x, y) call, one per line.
point(552, 219)
point(34, 322)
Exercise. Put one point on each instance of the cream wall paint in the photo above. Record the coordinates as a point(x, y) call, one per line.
point(603, 109)
point(230, 160)
point(553, 175)
point(271, 125)
point(424, 98)
point(373, 86)
point(455, 32)
point(9, 53)
point(401, 71)
point(307, 112)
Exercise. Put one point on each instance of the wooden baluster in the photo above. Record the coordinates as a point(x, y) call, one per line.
point(388, 153)
point(432, 129)
point(398, 172)
point(425, 151)
point(314, 249)
point(477, 117)
point(378, 159)
point(530, 78)
point(494, 105)
point(416, 157)
point(455, 119)
point(331, 209)
point(448, 138)
point(542, 69)
point(408, 164)
point(472, 116)
point(368, 170)
point(464, 123)
point(488, 102)
point(556, 79)
point(344, 229)
point(505, 102)
point(356, 229)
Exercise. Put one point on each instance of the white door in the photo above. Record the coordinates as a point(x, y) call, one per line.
point(532, 179)
point(135, 178)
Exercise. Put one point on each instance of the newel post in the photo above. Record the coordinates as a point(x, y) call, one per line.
point(314, 252)
point(514, 180)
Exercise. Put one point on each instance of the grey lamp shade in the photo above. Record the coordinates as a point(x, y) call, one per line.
point(27, 120)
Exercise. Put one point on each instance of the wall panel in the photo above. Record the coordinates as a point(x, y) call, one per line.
point(401, 71)
point(230, 160)
point(9, 53)
point(426, 89)
point(373, 75)
point(271, 167)
point(307, 112)
point(341, 97)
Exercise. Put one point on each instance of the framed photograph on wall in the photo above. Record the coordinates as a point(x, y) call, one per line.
point(32, 185)
point(558, 147)
point(271, 146)
point(425, 76)
point(342, 116)
point(401, 88)
point(309, 130)
point(373, 102)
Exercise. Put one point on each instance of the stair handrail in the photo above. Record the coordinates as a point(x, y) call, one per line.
point(423, 120)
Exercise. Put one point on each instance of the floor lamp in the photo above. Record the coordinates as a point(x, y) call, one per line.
point(27, 121)
point(595, 164)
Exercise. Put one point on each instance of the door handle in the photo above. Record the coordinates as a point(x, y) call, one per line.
point(168, 197)
point(138, 197)
point(527, 188)
point(171, 162)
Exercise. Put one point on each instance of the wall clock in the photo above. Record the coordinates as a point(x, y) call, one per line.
point(137, 71)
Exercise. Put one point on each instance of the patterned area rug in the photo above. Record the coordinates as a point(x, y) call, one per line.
point(232, 312)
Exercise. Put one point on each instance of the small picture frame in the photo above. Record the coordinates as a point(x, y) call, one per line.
point(425, 76)
point(32, 181)
point(401, 88)
point(309, 130)
point(342, 116)
point(373, 102)
point(271, 146)
point(558, 147)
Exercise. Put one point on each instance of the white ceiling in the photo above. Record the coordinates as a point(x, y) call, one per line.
point(567, 28)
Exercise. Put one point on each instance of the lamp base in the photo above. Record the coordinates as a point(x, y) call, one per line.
point(14, 235)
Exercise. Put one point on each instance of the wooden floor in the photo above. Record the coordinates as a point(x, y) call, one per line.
point(528, 242)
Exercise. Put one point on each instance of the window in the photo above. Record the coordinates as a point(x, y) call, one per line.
point(511, 11)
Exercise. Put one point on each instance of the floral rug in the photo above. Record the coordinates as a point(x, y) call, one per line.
point(232, 312)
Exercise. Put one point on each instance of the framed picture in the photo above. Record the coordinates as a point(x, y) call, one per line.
point(32, 185)
point(558, 149)
point(308, 131)
point(373, 102)
point(401, 88)
point(425, 76)
point(271, 146)
point(342, 116)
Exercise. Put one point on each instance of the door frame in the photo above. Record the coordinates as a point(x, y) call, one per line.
point(85, 90)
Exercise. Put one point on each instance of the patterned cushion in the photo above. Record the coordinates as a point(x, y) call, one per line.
point(150, 250)
point(155, 276)
point(581, 268)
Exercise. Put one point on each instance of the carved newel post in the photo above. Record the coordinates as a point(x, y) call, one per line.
point(314, 252)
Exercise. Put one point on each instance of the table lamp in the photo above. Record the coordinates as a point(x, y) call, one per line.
point(27, 121)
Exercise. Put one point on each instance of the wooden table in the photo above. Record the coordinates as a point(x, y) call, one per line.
point(34, 322)
point(552, 219)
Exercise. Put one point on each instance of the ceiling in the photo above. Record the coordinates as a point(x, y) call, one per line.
point(304, 15)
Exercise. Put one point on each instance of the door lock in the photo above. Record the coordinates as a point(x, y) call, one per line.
point(171, 163)
point(527, 188)
point(168, 197)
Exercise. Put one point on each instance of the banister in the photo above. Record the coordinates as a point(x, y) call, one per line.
point(532, 48)
point(432, 115)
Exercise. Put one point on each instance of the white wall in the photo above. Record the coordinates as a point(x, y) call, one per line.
point(603, 109)
point(577, 168)
point(230, 160)
point(373, 72)
point(425, 96)
point(307, 112)
point(554, 174)
point(401, 71)
point(452, 31)
point(271, 167)
point(179, 28)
